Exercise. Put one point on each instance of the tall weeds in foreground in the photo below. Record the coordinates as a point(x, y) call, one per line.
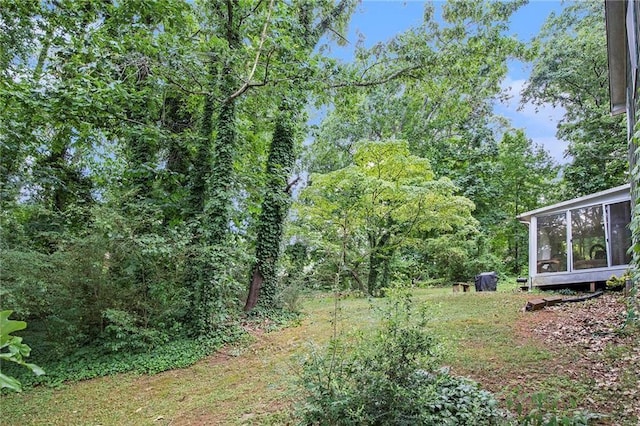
point(390, 377)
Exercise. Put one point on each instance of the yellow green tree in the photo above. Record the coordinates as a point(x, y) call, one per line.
point(385, 200)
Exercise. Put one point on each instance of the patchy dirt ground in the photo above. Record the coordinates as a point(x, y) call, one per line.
point(589, 343)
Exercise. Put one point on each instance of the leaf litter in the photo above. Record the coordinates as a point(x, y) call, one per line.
point(602, 347)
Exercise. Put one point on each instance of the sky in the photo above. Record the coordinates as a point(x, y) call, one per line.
point(377, 21)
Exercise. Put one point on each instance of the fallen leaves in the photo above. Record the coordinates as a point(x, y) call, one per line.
point(602, 351)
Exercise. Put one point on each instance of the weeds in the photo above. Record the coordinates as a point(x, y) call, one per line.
point(547, 413)
point(391, 377)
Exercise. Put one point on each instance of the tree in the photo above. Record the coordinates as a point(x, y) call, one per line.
point(432, 85)
point(309, 24)
point(87, 130)
point(387, 198)
point(528, 178)
point(570, 70)
point(273, 212)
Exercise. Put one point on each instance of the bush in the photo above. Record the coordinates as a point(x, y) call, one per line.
point(617, 283)
point(13, 350)
point(106, 288)
point(390, 378)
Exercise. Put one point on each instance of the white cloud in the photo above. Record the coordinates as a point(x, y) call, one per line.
point(554, 146)
point(539, 122)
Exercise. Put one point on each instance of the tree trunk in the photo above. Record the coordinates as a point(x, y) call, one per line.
point(254, 289)
point(211, 189)
point(377, 259)
point(375, 262)
point(202, 162)
point(275, 207)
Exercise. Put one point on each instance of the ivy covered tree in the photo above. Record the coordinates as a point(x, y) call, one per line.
point(309, 23)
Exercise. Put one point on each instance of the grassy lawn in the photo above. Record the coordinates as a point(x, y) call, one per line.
point(486, 336)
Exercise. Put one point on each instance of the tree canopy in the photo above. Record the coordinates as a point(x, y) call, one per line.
point(386, 200)
point(150, 152)
point(570, 70)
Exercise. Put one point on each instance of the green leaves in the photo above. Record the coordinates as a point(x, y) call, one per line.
point(9, 326)
point(570, 70)
point(13, 350)
point(384, 201)
point(390, 376)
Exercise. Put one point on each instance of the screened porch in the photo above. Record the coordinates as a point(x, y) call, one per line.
point(584, 240)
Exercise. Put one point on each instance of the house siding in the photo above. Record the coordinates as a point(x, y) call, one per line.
point(632, 27)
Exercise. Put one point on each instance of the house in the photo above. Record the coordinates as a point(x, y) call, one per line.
point(623, 50)
point(584, 240)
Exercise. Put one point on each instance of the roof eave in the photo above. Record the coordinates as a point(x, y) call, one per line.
point(616, 54)
point(526, 216)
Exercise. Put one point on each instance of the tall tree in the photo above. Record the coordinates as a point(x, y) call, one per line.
point(433, 86)
point(307, 25)
point(527, 178)
point(388, 198)
point(570, 70)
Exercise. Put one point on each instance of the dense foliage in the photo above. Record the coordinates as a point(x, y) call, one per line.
point(570, 70)
point(150, 152)
point(370, 211)
point(134, 140)
point(391, 377)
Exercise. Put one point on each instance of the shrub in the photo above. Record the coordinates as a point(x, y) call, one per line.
point(12, 349)
point(617, 283)
point(390, 378)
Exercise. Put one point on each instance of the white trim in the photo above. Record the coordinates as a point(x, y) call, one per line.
point(590, 199)
point(570, 276)
point(569, 241)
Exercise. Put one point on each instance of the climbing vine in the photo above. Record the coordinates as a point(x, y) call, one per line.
point(274, 211)
point(634, 299)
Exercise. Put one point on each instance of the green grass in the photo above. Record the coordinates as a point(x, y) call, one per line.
point(251, 383)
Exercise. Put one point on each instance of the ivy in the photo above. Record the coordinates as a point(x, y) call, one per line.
point(273, 214)
point(633, 311)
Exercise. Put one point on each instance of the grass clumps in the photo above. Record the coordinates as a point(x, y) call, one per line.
point(391, 377)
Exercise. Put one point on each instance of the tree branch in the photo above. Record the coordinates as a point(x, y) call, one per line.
point(326, 22)
point(263, 37)
point(253, 10)
point(184, 89)
point(383, 80)
point(291, 184)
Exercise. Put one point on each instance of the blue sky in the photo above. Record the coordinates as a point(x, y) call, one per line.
point(380, 20)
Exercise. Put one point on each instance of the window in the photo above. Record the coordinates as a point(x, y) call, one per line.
point(619, 232)
point(588, 241)
point(552, 243)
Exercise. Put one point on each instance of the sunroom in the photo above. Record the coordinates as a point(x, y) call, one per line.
point(581, 241)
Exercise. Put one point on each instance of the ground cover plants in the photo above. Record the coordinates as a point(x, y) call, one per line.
point(391, 377)
point(484, 336)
